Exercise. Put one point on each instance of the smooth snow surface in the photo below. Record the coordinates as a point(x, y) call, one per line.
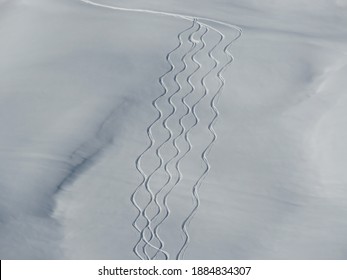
point(196, 129)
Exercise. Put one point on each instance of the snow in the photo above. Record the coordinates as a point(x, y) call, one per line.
point(77, 83)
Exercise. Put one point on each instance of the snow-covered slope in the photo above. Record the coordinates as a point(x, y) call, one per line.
point(79, 84)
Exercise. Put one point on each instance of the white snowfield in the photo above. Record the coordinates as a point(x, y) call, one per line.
point(196, 129)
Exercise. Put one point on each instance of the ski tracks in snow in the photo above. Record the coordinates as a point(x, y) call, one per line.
point(194, 57)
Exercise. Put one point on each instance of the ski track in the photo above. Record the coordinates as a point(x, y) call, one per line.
point(159, 156)
point(193, 45)
point(183, 129)
point(152, 224)
point(192, 109)
point(165, 124)
point(149, 134)
point(205, 153)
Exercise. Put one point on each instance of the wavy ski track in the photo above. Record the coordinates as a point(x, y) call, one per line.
point(145, 178)
point(191, 53)
point(158, 154)
point(186, 133)
point(205, 153)
point(182, 127)
point(147, 242)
